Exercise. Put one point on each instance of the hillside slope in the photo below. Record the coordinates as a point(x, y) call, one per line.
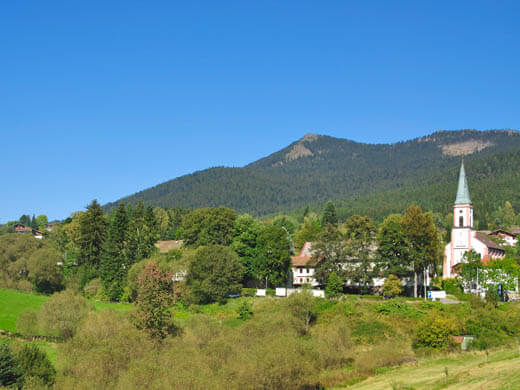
point(318, 168)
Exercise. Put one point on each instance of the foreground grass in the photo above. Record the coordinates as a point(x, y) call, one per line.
point(465, 371)
point(13, 303)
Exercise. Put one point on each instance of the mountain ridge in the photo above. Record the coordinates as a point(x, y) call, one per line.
point(317, 168)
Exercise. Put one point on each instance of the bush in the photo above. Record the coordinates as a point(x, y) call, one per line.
point(9, 371)
point(334, 286)
point(61, 314)
point(300, 306)
point(244, 311)
point(402, 309)
point(452, 286)
point(93, 288)
point(34, 363)
point(27, 323)
point(435, 332)
point(392, 286)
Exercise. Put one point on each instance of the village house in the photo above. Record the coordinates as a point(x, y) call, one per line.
point(303, 267)
point(463, 237)
point(22, 229)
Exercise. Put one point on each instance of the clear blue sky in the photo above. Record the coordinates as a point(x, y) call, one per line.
point(100, 99)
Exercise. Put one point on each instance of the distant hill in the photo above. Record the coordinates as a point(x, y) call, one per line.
point(368, 177)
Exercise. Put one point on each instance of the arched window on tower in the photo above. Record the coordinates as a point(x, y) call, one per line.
point(461, 221)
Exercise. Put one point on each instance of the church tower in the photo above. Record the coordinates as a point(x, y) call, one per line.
point(463, 237)
point(462, 232)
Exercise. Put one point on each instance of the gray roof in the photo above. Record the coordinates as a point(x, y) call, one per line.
point(462, 190)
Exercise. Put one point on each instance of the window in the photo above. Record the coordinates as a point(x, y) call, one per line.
point(461, 221)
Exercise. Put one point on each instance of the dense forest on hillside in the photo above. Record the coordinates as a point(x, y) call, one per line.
point(366, 179)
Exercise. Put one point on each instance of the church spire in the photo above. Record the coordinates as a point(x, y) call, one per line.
point(462, 190)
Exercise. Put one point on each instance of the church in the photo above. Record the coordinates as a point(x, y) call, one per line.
point(463, 237)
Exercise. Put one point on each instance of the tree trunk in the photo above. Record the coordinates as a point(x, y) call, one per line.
point(415, 284)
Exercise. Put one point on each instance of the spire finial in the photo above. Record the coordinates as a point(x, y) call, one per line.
point(462, 190)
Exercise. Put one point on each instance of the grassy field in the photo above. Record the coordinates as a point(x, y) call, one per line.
point(13, 303)
point(466, 371)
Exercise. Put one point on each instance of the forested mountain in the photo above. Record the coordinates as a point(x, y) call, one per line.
point(373, 179)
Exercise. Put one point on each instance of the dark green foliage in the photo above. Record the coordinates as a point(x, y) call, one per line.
point(115, 265)
point(91, 240)
point(329, 215)
point(244, 310)
point(273, 255)
point(331, 251)
point(334, 286)
point(34, 363)
point(9, 370)
point(214, 272)
point(246, 230)
point(452, 286)
point(393, 247)
point(361, 264)
point(373, 180)
point(398, 308)
point(208, 226)
point(142, 234)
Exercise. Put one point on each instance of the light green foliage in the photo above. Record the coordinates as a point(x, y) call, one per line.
point(214, 272)
point(334, 286)
point(105, 344)
point(300, 306)
point(27, 323)
point(154, 297)
point(44, 271)
point(309, 231)
point(435, 332)
point(392, 286)
point(61, 314)
point(208, 226)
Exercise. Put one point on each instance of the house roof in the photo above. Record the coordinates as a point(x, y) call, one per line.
point(303, 261)
point(498, 231)
point(165, 246)
point(462, 190)
point(488, 241)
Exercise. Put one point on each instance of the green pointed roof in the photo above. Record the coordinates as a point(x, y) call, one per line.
point(462, 190)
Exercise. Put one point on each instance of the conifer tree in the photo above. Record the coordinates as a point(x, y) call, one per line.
point(91, 240)
point(142, 233)
point(329, 216)
point(114, 264)
point(9, 372)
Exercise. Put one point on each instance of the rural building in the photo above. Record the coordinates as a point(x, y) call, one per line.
point(22, 229)
point(463, 237)
point(302, 267)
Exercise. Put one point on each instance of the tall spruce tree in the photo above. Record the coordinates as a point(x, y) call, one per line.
point(91, 240)
point(329, 216)
point(114, 264)
point(142, 234)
